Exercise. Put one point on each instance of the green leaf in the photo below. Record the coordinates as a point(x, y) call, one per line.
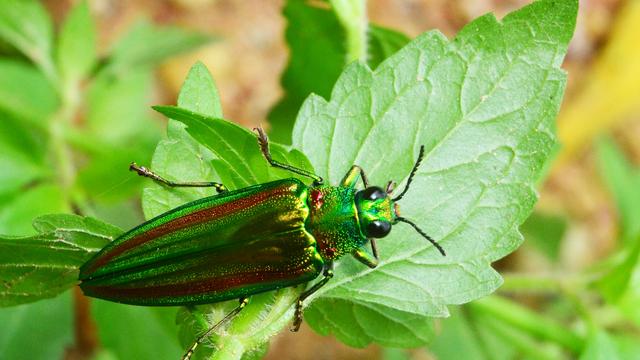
point(26, 25)
point(180, 155)
point(462, 334)
point(627, 346)
point(107, 179)
point(25, 92)
point(76, 52)
point(22, 155)
point(545, 232)
point(116, 110)
point(137, 332)
point(146, 45)
point(317, 56)
point(484, 106)
point(45, 265)
point(239, 162)
point(623, 182)
point(383, 43)
point(358, 325)
point(17, 213)
point(600, 346)
point(45, 323)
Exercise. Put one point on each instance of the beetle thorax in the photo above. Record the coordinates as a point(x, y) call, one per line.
point(333, 221)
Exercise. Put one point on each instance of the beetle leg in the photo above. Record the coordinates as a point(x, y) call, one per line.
point(263, 141)
point(351, 177)
point(243, 302)
point(143, 171)
point(328, 274)
point(364, 257)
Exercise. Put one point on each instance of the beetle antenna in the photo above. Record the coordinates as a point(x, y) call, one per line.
point(401, 219)
point(413, 172)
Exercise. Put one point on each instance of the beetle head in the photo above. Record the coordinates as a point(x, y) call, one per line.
point(378, 211)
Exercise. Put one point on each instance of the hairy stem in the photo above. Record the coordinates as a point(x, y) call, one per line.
point(352, 14)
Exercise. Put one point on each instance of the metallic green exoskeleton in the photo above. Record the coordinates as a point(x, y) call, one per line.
point(243, 242)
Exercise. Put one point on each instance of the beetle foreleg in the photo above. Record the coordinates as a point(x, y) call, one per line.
point(351, 177)
point(362, 256)
point(143, 171)
point(328, 274)
point(263, 141)
point(229, 316)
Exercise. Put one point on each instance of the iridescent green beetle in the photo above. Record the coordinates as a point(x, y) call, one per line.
point(244, 242)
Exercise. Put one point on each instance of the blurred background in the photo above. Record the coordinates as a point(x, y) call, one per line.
point(587, 218)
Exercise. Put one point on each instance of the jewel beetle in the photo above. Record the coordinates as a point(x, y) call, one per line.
point(243, 242)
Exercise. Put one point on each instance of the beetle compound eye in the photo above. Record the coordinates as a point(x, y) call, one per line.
point(378, 229)
point(373, 193)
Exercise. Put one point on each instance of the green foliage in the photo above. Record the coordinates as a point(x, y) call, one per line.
point(318, 52)
point(45, 323)
point(25, 25)
point(42, 99)
point(65, 118)
point(474, 150)
point(600, 346)
point(484, 106)
point(545, 233)
point(623, 182)
point(76, 51)
point(135, 332)
point(46, 264)
point(147, 45)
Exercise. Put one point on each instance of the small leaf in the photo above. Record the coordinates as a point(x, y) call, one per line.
point(137, 332)
point(115, 110)
point(623, 182)
point(484, 106)
point(545, 232)
point(45, 265)
point(25, 92)
point(383, 43)
point(45, 323)
point(146, 45)
point(239, 162)
point(318, 53)
point(600, 346)
point(76, 52)
point(22, 155)
point(180, 155)
point(317, 56)
point(461, 334)
point(17, 213)
point(26, 25)
point(357, 325)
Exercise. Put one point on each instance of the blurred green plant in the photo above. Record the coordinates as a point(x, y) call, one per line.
point(66, 114)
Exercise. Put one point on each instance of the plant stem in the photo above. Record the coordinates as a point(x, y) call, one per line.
point(545, 283)
point(352, 14)
point(528, 321)
point(265, 316)
point(86, 339)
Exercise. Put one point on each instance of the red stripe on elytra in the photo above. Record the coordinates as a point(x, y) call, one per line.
point(207, 286)
point(195, 218)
